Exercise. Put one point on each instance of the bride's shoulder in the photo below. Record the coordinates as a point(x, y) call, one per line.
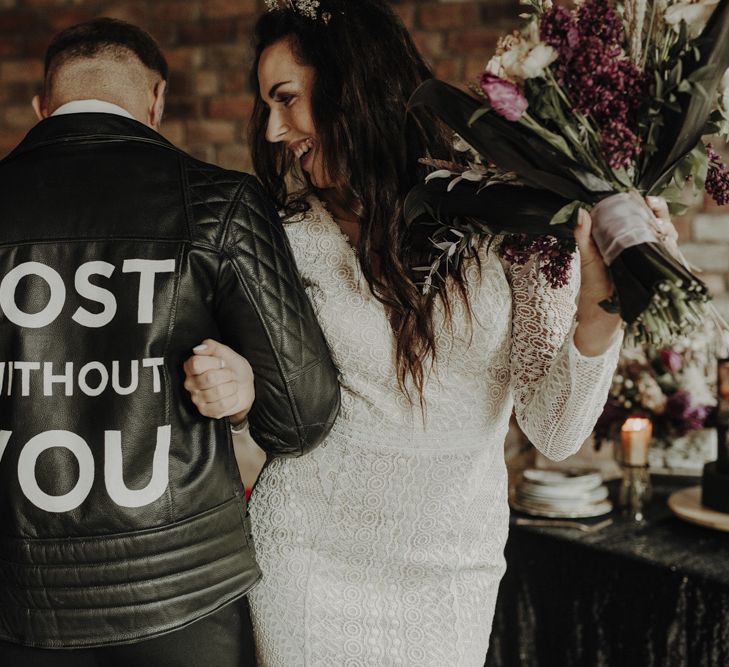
point(301, 207)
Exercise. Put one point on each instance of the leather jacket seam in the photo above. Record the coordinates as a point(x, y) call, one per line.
point(87, 240)
point(100, 539)
point(89, 139)
point(120, 584)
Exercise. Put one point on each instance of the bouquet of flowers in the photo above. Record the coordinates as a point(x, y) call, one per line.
point(595, 107)
point(668, 385)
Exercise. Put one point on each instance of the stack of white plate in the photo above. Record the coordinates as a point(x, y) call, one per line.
point(562, 494)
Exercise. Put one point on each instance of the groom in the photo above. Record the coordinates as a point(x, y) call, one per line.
point(123, 533)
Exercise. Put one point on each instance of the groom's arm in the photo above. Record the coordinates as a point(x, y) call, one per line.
point(265, 315)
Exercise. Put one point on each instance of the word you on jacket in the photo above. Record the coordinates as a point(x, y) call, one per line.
point(19, 378)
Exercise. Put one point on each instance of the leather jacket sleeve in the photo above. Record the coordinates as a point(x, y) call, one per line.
point(265, 315)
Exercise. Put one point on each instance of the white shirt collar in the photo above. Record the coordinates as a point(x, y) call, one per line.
point(91, 106)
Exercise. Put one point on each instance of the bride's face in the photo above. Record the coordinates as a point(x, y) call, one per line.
point(286, 86)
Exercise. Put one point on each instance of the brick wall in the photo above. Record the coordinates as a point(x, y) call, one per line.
point(207, 44)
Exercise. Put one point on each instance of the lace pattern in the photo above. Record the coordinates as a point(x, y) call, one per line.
point(385, 545)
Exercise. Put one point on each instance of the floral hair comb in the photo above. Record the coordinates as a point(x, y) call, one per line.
point(306, 8)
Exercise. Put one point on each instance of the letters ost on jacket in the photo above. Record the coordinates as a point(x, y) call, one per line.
point(35, 378)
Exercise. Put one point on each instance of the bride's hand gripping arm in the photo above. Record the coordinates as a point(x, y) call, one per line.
point(264, 315)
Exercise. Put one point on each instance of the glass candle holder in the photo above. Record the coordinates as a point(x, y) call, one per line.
point(635, 489)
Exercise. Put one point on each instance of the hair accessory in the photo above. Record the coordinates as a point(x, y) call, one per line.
point(306, 8)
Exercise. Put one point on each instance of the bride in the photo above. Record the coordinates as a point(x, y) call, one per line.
point(385, 545)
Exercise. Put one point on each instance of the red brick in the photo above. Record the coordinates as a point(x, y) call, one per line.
point(174, 131)
point(184, 58)
point(234, 80)
point(210, 131)
point(406, 11)
point(430, 44)
point(201, 152)
point(244, 28)
point(41, 3)
point(228, 8)
point(232, 107)
point(21, 71)
point(473, 40)
point(184, 108)
point(134, 12)
point(35, 45)
point(20, 116)
point(10, 48)
point(237, 56)
point(207, 83)
point(66, 17)
point(449, 69)
point(234, 156)
point(473, 67)
point(452, 15)
point(180, 10)
point(181, 84)
point(209, 33)
point(9, 139)
point(13, 21)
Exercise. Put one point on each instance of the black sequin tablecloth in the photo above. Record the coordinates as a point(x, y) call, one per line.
point(654, 594)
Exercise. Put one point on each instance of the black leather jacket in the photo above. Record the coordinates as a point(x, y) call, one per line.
point(121, 509)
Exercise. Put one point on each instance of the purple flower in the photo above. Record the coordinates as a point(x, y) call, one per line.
point(696, 418)
point(554, 255)
point(505, 97)
point(682, 416)
point(678, 404)
point(671, 359)
point(613, 413)
point(601, 81)
point(717, 178)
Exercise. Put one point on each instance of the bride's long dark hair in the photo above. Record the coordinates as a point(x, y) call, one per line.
point(366, 67)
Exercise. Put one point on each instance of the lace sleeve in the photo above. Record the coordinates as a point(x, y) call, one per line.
point(558, 392)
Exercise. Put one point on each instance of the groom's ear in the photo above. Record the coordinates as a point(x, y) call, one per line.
point(41, 111)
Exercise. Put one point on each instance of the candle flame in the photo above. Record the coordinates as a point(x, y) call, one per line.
point(636, 424)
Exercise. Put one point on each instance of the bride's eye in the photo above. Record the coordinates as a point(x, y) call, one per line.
point(286, 100)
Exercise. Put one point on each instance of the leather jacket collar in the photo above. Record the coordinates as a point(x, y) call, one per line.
point(87, 127)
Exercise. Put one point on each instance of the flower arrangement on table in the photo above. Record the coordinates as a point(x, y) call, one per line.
point(594, 108)
point(668, 385)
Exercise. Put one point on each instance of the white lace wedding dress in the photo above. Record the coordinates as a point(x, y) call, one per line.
point(384, 547)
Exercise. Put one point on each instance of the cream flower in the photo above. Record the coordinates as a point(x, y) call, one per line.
point(651, 395)
point(694, 382)
point(695, 13)
point(526, 61)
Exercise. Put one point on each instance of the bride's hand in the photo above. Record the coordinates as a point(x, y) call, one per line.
point(220, 382)
point(666, 230)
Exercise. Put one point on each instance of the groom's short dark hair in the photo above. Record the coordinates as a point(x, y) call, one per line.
point(105, 36)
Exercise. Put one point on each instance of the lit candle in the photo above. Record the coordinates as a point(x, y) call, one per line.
point(635, 439)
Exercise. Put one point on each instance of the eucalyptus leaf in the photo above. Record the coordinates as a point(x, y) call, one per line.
point(565, 213)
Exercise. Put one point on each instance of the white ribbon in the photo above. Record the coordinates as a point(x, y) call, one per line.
point(622, 221)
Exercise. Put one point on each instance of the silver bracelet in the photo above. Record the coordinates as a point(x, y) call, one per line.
point(241, 428)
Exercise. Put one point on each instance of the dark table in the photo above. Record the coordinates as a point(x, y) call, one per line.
point(649, 594)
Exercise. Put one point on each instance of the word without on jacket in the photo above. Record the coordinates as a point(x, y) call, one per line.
point(92, 378)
